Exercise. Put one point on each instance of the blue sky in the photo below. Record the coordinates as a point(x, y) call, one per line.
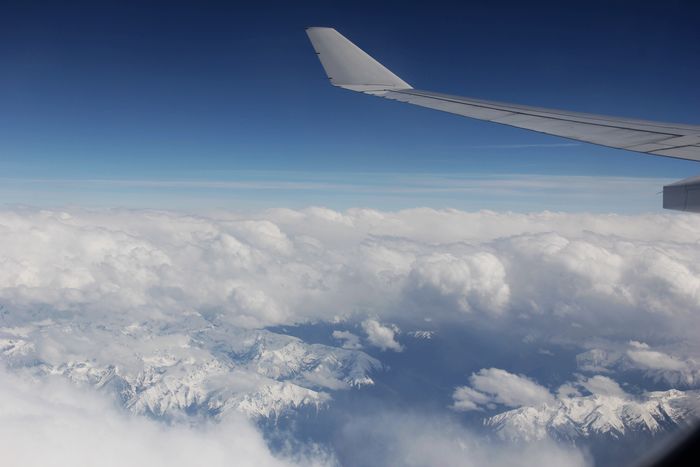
point(213, 92)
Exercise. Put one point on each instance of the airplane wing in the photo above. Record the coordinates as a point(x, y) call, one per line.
point(349, 67)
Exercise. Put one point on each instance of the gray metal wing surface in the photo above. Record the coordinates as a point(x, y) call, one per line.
point(660, 139)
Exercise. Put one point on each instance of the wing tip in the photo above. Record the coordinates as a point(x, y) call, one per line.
point(347, 66)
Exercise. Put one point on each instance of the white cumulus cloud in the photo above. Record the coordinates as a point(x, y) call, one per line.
point(381, 335)
point(472, 281)
point(541, 271)
point(652, 359)
point(602, 386)
point(348, 339)
point(675, 363)
point(490, 386)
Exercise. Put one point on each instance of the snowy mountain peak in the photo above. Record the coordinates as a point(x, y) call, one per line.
point(189, 367)
point(569, 418)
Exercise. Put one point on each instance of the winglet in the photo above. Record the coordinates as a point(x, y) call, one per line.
point(348, 66)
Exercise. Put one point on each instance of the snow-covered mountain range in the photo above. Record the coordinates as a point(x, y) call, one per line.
point(189, 366)
point(598, 415)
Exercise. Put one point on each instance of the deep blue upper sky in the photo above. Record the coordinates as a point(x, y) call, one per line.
point(219, 90)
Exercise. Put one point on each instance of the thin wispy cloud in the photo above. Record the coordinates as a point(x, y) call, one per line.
point(335, 190)
point(524, 145)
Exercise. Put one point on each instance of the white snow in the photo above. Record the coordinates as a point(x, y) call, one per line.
point(597, 414)
point(187, 366)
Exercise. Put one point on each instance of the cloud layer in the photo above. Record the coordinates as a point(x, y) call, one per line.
point(50, 422)
point(413, 439)
point(615, 273)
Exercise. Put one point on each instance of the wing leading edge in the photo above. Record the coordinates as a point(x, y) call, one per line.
point(347, 66)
